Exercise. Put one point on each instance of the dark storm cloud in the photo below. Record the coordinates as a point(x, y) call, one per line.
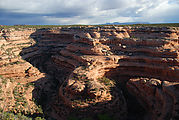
point(11, 18)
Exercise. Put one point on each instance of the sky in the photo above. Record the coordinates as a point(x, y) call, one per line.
point(65, 12)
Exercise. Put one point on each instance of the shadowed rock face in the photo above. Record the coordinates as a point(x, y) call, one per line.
point(128, 72)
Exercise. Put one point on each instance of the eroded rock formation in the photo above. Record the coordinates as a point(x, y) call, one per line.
point(96, 66)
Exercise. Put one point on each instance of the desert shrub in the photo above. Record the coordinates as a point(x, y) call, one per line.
point(18, 116)
point(107, 81)
point(1, 76)
point(20, 27)
point(39, 118)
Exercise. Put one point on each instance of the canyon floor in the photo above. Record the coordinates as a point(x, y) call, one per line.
point(89, 73)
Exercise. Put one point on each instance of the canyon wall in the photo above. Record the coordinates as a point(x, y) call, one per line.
point(97, 66)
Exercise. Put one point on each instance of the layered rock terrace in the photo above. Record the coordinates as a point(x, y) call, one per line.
point(94, 66)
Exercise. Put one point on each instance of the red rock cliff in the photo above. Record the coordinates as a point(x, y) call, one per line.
point(97, 61)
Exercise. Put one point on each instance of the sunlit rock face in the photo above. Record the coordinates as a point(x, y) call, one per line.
point(98, 68)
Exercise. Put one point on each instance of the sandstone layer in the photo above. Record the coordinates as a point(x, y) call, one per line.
point(98, 67)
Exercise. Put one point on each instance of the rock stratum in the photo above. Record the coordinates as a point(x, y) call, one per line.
point(93, 72)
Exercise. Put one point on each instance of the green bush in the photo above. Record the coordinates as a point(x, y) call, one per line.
point(1, 76)
point(107, 81)
point(39, 118)
point(18, 116)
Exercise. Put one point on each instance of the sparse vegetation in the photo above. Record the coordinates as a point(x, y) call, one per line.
point(29, 84)
point(80, 77)
point(14, 102)
point(19, 116)
point(21, 101)
point(107, 81)
point(17, 27)
point(13, 63)
point(1, 76)
point(4, 81)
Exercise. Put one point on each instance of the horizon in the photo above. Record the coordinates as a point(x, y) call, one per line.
point(108, 24)
point(89, 12)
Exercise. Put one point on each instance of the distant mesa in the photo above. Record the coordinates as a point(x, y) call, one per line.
point(125, 23)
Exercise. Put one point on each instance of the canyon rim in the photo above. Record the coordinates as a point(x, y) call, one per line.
point(90, 72)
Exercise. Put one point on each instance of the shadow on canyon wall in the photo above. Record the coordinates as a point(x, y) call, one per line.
point(46, 88)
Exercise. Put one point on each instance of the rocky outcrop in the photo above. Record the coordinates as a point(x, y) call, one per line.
point(160, 97)
point(135, 52)
point(12, 65)
point(98, 62)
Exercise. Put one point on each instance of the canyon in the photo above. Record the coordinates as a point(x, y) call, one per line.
point(92, 72)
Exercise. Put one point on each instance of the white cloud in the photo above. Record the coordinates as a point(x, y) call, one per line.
point(95, 11)
point(163, 12)
point(66, 21)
